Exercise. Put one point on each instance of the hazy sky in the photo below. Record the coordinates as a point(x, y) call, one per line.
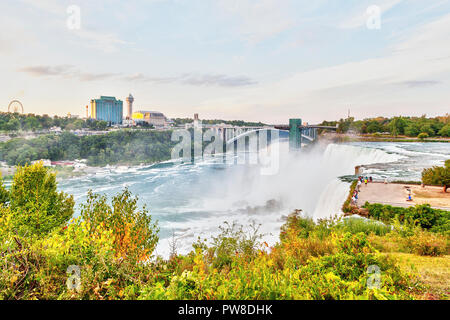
point(264, 60)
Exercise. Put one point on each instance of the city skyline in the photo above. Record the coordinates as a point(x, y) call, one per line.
point(253, 60)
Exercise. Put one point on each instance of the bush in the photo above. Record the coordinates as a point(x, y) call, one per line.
point(422, 215)
point(35, 206)
point(428, 244)
point(135, 235)
point(232, 241)
point(437, 176)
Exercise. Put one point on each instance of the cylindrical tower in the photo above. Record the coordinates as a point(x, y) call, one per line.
point(130, 100)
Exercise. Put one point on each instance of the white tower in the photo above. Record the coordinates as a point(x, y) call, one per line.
point(130, 100)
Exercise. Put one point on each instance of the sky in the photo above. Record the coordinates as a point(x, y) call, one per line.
point(255, 60)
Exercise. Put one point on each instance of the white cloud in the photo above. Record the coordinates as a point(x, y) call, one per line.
point(257, 20)
point(423, 57)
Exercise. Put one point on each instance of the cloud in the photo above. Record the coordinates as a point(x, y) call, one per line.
point(217, 80)
point(420, 83)
point(42, 71)
point(70, 72)
point(106, 42)
point(140, 77)
point(257, 20)
point(102, 41)
point(65, 71)
point(370, 84)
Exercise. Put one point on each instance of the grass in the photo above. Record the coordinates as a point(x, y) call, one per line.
point(355, 225)
point(433, 272)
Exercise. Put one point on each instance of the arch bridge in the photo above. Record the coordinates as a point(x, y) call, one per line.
point(297, 133)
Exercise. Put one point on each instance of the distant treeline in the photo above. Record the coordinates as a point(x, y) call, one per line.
point(407, 126)
point(31, 122)
point(124, 146)
point(239, 123)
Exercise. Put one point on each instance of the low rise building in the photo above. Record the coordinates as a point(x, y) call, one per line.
point(154, 118)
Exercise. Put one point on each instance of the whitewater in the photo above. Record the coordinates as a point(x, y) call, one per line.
point(193, 200)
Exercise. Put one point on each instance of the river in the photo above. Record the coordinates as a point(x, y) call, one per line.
point(193, 200)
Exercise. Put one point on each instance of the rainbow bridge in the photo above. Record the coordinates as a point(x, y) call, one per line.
point(297, 133)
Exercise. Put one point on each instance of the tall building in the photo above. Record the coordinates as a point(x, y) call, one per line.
point(130, 100)
point(108, 109)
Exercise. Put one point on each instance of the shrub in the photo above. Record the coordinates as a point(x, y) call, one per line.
point(4, 194)
point(423, 135)
point(135, 235)
point(300, 225)
point(438, 176)
point(421, 215)
point(347, 207)
point(429, 244)
point(35, 205)
point(233, 240)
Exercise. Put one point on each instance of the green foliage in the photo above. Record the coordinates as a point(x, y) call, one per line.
point(421, 215)
point(35, 205)
point(409, 126)
point(135, 235)
point(366, 226)
point(428, 244)
point(31, 122)
point(423, 135)
point(437, 176)
point(233, 240)
point(445, 131)
point(111, 243)
point(4, 194)
point(347, 207)
point(124, 146)
point(239, 123)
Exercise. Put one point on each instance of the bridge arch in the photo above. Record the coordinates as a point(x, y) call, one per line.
point(283, 134)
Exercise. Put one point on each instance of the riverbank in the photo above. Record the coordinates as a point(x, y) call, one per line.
point(397, 195)
point(69, 172)
point(351, 137)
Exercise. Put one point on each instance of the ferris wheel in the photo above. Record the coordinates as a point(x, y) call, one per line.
point(15, 106)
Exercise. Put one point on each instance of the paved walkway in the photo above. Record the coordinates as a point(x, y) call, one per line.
point(396, 194)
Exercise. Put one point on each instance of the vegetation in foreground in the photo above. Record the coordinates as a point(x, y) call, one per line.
point(112, 244)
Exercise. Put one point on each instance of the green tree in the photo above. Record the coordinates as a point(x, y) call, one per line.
point(374, 126)
point(422, 135)
point(35, 203)
point(445, 131)
point(412, 130)
point(12, 125)
point(439, 176)
point(426, 128)
point(397, 126)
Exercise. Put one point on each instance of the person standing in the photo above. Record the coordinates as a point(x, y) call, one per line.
point(358, 185)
